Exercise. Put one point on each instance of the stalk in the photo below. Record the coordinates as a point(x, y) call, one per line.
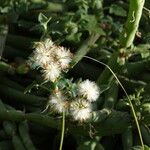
point(84, 48)
point(106, 74)
point(25, 136)
point(111, 96)
point(62, 131)
point(132, 23)
point(12, 115)
point(11, 53)
point(127, 139)
point(10, 83)
point(20, 97)
point(106, 127)
point(126, 38)
point(20, 42)
point(6, 67)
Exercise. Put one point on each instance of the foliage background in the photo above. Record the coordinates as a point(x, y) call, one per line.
point(90, 28)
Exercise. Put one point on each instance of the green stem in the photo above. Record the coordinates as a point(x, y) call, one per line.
point(11, 53)
point(20, 97)
point(44, 120)
point(126, 38)
point(7, 82)
point(108, 126)
point(62, 131)
point(132, 23)
point(5, 67)
point(17, 143)
point(20, 42)
point(84, 48)
point(111, 95)
point(106, 74)
point(11, 115)
point(127, 139)
point(25, 136)
point(145, 133)
point(129, 100)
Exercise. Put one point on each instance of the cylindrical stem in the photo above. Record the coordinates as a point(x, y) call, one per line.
point(132, 24)
point(84, 49)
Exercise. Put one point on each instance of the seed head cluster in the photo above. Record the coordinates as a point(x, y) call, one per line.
point(53, 61)
point(78, 107)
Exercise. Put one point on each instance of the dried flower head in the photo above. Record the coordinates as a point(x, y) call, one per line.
point(51, 72)
point(58, 102)
point(63, 56)
point(42, 54)
point(88, 90)
point(51, 58)
point(80, 110)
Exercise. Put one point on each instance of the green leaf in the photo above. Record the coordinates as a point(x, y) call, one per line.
point(145, 54)
point(74, 37)
point(96, 4)
point(143, 49)
point(71, 27)
point(43, 22)
point(43, 19)
point(90, 23)
point(117, 10)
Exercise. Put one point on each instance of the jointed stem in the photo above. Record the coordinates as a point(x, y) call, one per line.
point(132, 24)
point(85, 48)
point(126, 40)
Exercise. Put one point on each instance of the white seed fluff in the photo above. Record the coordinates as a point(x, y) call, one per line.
point(51, 58)
point(58, 102)
point(42, 54)
point(88, 90)
point(63, 56)
point(80, 110)
point(51, 72)
point(48, 43)
point(41, 59)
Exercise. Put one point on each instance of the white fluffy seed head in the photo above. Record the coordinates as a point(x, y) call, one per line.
point(63, 56)
point(48, 43)
point(47, 52)
point(88, 90)
point(42, 54)
point(51, 72)
point(43, 46)
point(41, 59)
point(58, 102)
point(80, 110)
